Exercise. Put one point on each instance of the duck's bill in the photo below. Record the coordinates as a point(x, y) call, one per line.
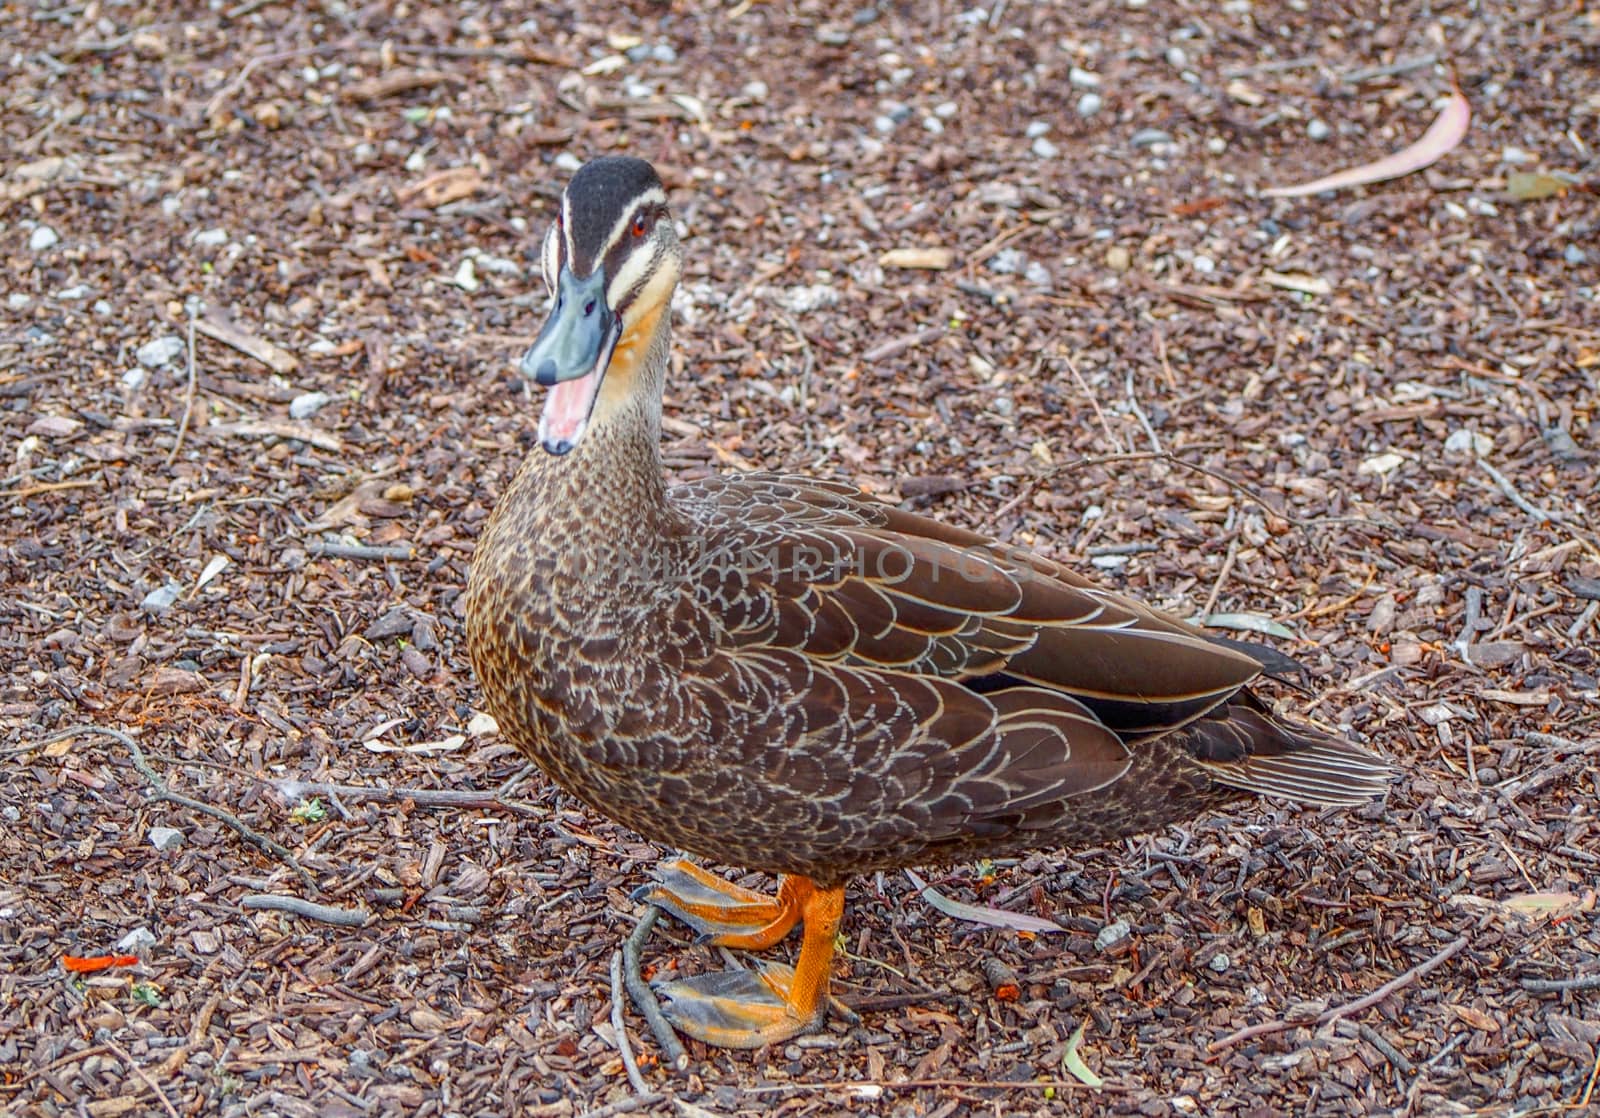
point(570, 357)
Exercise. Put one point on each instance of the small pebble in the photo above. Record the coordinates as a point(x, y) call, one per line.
point(134, 378)
point(1007, 261)
point(1089, 104)
point(308, 404)
point(1516, 156)
point(102, 308)
point(1216, 145)
point(18, 300)
point(755, 91)
point(1318, 130)
point(1204, 265)
point(1037, 274)
point(1044, 149)
point(664, 52)
point(1177, 58)
point(1118, 930)
point(137, 940)
point(945, 110)
point(1149, 137)
point(1220, 963)
point(1083, 79)
point(211, 238)
point(161, 599)
point(568, 162)
point(159, 351)
point(77, 291)
point(1574, 255)
point(466, 277)
point(165, 838)
point(43, 238)
point(1118, 258)
point(1036, 129)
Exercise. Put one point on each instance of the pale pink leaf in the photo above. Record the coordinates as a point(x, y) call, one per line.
point(994, 917)
point(1442, 136)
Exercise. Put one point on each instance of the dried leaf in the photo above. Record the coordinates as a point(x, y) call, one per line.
point(1475, 1017)
point(929, 259)
point(1073, 1063)
point(993, 917)
point(442, 187)
point(1442, 136)
point(1302, 282)
point(1248, 622)
point(1531, 186)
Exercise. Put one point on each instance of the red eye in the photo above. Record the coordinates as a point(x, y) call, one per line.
point(639, 226)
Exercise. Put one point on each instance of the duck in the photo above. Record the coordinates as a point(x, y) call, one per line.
point(784, 674)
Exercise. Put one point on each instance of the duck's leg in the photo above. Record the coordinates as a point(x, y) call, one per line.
point(751, 1008)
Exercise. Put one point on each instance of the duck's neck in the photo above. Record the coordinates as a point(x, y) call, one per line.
point(602, 509)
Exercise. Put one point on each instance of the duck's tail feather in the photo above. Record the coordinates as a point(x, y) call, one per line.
point(1243, 745)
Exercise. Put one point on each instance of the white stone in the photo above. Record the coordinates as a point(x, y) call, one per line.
point(159, 351)
point(42, 238)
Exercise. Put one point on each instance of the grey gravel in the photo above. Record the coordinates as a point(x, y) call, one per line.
point(139, 939)
point(1574, 255)
point(165, 838)
point(308, 404)
point(1220, 963)
point(1318, 130)
point(1044, 149)
point(43, 238)
point(1037, 128)
point(1089, 104)
point(159, 351)
point(1115, 932)
point(1083, 79)
point(161, 599)
point(1149, 137)
point(211, 238)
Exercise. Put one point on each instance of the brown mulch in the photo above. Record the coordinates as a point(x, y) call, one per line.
point(264, 593)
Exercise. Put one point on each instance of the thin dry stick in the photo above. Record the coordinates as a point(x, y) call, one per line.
point(644, 999)
point(159, 791)
point(1366, 1002)
point(346, 917)
point(188, 397)
point(427, 797)
point(1094, 402)
point(1144, 420)
point(1222, 576)
point(1561, 985)
point(619, 1027)
point(122, 1054)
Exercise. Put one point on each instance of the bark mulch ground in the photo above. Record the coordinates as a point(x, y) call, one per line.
point(266, 266)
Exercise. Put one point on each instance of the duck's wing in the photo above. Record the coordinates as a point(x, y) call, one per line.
point(820, 569)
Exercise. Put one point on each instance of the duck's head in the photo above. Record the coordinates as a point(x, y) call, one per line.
point(611, 262)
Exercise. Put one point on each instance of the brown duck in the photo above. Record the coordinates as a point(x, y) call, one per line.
point(783, 674)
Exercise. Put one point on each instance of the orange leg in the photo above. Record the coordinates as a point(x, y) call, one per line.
point(752, 1008)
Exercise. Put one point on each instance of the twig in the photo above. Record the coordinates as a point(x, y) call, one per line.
point(1222, 576)
point(1402, 66)
point(197, 1031)
point(428, 797)
point(159, 791)
point(610, 1110)
point(1522, 502)
point(188, 397)
point(328, 914)
point(121, 1053)
point(1561, 985)
point(625, 1049)
point(332, 550)
point(896, 346)
point(1365, 1002)
point(1144, 420)
point(644, 999)
point(1094, 401)
point(1390, 1052)
point(54, 487)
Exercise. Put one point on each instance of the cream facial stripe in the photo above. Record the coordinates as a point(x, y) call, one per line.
point(644, 200)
